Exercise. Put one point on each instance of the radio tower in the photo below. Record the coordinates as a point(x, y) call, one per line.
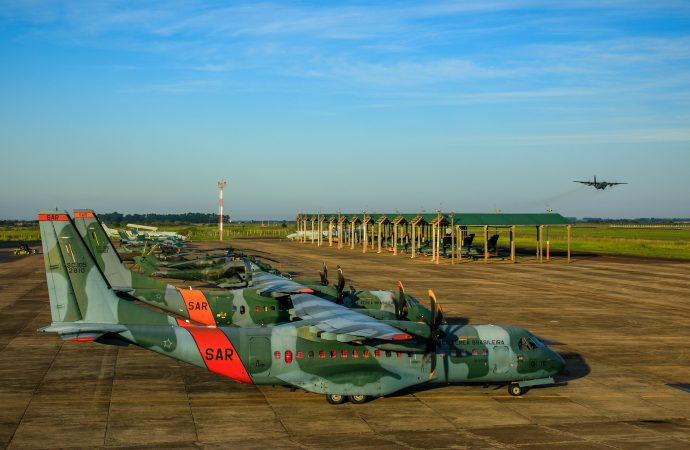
point(221, 185)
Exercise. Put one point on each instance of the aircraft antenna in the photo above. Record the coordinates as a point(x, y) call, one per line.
point(221, 186)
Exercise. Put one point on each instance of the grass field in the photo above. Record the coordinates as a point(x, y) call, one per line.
point(195, 232)
point(651, 242)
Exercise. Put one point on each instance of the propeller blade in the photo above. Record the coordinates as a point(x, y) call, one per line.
point(247, 271)
point(324, 275)
point(401, 303)
point(341, 283)
point(434, 323)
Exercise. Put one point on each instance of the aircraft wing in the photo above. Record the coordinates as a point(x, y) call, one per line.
point(613, 184)
point(588, 183)
point(268, 284)
point(338, 323)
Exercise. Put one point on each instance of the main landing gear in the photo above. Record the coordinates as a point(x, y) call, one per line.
point(516, 390)
point(338, 399)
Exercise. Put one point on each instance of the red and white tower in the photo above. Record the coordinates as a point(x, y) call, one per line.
point(221, 186)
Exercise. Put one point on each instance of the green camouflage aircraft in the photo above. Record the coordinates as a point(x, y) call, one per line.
point(226, 273)
point(264, 302)
point(326, 348)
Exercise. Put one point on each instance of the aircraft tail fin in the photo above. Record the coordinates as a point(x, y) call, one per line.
point(118, 275)
point(146, 264)
point(77, 288)
point(82, 303)
point(101, 247)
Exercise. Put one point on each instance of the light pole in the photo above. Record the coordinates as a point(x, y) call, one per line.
point(221, 186)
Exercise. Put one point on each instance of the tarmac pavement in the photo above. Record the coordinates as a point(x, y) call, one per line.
point(621, 323)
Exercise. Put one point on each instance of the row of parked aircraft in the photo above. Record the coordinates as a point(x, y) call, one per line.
point(347, 345)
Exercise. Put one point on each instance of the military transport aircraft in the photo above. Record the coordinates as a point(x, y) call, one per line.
point(264, 301)
point(326, 348)
point(600, 185)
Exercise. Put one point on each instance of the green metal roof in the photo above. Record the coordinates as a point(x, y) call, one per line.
point(465, 219)
point(510, 219)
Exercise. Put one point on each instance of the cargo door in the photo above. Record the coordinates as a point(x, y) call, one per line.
point(501, 359)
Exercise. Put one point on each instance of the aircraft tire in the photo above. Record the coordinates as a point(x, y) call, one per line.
point(359, 399)
point(515, 390)
point(336, 399)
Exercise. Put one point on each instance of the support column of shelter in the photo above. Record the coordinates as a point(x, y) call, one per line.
point(541, 247)
point(319, 239)
point(304, 230)
point(379, 240)
point(365, 238)
point(548, 245)
point(330, 232)
point(395, 238)
point(568, 227)
point(433, 241)
point(512, 243)
point(438, 242)
point(486, 243)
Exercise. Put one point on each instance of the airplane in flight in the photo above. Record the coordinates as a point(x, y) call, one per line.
point(326, 349)
point(600, 185)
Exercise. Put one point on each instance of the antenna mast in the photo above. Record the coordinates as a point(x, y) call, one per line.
point(221, 186)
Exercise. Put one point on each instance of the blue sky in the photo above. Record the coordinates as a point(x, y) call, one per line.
point(303, 106)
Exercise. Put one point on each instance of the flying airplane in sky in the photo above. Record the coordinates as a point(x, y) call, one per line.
point(326, 349)
point(601, 185)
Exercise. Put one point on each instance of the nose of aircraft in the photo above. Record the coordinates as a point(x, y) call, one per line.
point(557, 361)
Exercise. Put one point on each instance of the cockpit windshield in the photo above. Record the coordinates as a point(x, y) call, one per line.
point(539, 343)
point(529, 343)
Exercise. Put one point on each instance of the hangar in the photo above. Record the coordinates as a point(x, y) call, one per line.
point(439, 235)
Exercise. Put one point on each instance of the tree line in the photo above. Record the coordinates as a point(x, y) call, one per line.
point(116, 218)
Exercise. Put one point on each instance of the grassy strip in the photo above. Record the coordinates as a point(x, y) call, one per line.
point(599, 239)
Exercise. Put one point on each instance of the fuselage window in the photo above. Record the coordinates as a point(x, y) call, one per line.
point(475, 352)
point(242, 309)
point(388, 353)
point(334, 354)
point(310, 354)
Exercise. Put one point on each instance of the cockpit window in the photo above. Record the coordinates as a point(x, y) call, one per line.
point(539, 343)
point(526, 343)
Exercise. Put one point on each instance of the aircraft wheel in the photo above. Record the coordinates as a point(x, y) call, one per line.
point(514, 389)
point(359, 399)
point(336, 399)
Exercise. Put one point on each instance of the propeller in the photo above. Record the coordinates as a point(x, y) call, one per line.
point(436, 320)
point(400, 303)
point(340, 285)
point(247, 271)
point(324, 275)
